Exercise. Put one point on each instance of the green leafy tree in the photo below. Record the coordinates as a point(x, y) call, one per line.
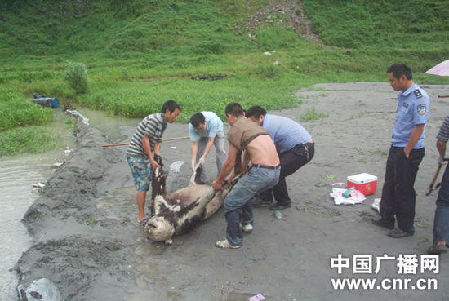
point(76, 75)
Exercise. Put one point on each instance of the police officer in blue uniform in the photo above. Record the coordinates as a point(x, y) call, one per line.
point(406, 153)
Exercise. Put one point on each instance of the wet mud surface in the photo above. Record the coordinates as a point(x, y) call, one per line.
point(87, 241)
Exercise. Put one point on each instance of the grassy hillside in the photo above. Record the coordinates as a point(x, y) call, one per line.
point(417, 30)
point(140, 53)
point(122, 28)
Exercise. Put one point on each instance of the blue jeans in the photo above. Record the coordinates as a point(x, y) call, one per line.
point(236, 205)
point(441, 222)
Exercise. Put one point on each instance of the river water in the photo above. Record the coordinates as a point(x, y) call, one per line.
point(17, 176)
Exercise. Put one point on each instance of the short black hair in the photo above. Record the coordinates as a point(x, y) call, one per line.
point(400, 69)
point(255, 111)
point(196, 119)
point(170, 105)
point(234, 109)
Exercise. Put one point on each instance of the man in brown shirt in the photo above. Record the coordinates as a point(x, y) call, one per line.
point(259, 149)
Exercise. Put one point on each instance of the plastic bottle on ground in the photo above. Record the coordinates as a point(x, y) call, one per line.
point(277, 214)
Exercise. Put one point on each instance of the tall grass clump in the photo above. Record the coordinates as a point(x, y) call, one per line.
point(76, 75)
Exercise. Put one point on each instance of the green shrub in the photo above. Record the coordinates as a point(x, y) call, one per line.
point(76, 76)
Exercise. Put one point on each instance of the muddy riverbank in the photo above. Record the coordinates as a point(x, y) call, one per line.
point(86, 239)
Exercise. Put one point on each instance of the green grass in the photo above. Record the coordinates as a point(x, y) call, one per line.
point(38, 138)
point(27, 139)
point(26, 127)
point(19, 118)
point(419, 26)
point(16, 111)
point(140, 53)
point(133, 99)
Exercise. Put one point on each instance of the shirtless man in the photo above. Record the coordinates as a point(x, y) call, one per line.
point(260, 150)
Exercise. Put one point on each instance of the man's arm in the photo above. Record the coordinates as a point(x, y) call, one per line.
point(227, 167)
point(147, 149)
point(414, 137)
point(442, 138)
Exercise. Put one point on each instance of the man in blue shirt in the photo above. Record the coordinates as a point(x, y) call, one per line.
point(205, 130)
point(406, 153)
point(294, 146)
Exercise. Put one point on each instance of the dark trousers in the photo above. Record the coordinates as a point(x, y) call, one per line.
point(398, 193)
point(441, 219)
point(291, 161)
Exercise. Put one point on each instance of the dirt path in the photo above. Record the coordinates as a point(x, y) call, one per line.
point(87, 242)
point(289, 12)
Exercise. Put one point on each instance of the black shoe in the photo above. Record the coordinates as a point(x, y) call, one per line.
point(398, 233)
point(279, 206)
point(383, 223)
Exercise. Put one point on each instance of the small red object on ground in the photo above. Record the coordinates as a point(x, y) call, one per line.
point(365, 183)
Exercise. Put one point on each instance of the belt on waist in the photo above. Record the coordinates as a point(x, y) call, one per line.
point(402, 147)
point(305, 145)
point(267, 167)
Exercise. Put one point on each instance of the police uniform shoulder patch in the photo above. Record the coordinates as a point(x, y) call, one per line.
point(421, 109)
point(418, 94)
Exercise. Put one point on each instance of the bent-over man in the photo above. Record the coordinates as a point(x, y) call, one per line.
point(205, 130)
point(295, 148)
point(259, 149)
